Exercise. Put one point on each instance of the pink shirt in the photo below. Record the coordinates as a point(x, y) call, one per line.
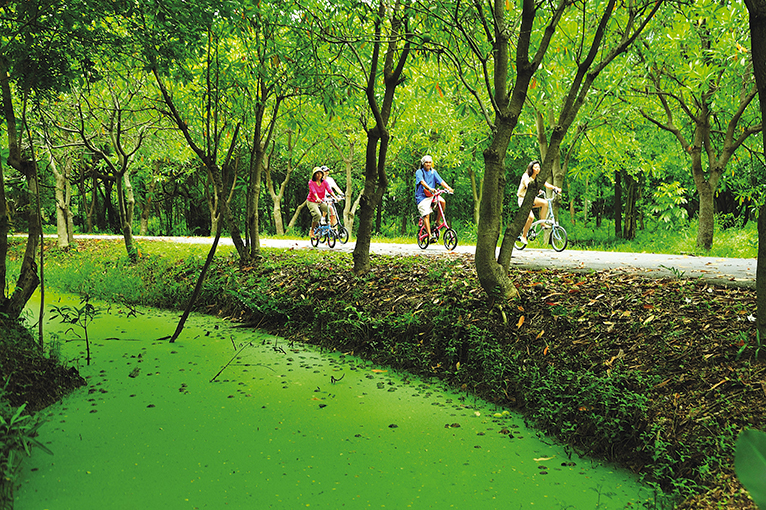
point(317, 190)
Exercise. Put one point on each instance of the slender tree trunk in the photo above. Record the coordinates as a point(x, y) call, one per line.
point(91, 207)
point(618, 203)
point(198, 285)
point(125, 225)
point(28, 279)
point(706, 215)
point(375, 178)
point(373, 190)
point(757, 9)
point(63, 194)
point(253, 197)
point(631, 208)
point(5, 227)
point(294, 219)
point(146, 209)
point(476, 187)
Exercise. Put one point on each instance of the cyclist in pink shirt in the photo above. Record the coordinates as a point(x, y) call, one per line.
point(318, 187)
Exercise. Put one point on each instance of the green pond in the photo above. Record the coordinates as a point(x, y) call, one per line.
point(230, 417)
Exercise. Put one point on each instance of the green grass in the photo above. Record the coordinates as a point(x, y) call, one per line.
point(654, 238)
point(733, 243)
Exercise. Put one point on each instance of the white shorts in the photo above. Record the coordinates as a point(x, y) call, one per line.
point(424, 206)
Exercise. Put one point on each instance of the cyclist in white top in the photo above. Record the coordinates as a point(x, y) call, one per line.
point(533, 168)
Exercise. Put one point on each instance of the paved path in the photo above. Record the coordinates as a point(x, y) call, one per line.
point(739, 272)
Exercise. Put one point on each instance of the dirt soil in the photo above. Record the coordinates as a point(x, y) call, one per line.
point(28, 375)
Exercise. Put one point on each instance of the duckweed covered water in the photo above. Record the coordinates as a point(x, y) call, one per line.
point(232, 418)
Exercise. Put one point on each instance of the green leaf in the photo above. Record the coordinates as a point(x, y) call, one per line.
point(750, 464)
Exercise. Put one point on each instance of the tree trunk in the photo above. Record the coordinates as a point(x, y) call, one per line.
point(706, 215)
point(757, 9)
point(91, 207)
point(63, 198)
point(375, 183)
point(253, 196)
point(294, 219)
point(760, 273)
point(375, 179)
point(492, 270)
point(476, 188)
point(125, 225)
point(198, 285)
point(146, 209)
point(28, 280)
point(631, 208)
point(5, 228)
point(618, 203)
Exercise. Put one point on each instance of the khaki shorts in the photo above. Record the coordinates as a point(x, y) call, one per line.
point(424, 206)
point(316, 210)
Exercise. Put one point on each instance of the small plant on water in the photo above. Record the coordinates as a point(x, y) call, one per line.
point(80, 317)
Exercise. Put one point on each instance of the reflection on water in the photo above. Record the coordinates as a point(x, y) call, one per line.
point(232, 418)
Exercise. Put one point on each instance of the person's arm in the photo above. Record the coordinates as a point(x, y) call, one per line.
point(442, 183)
point(551, 186)
point(334, 186)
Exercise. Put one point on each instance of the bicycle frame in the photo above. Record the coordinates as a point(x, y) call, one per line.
point(550, 219)
point(332, 211)
point(341, 233)
point(450, 236)
point(558, 235)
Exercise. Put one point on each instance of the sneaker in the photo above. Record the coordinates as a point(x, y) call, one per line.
point(434, 238)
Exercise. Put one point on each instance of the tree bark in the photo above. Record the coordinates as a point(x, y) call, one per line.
point(28, 279)
point(5, 227)
point(375, 178)
point(146, 209)
point(630, 226)
point(618, 203)
point(757, 9)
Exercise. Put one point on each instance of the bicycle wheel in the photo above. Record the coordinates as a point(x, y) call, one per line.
point(559, 238)
point(450, 239)
point(518, 244)
point(315, 240)
point(423, 239)
point(342, 234)
point(331, 239)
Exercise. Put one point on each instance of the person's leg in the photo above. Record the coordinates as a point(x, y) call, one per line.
point(543, 205)
point(441, 213)
point(315, 216)
point(525, 230)
point(424, 208)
